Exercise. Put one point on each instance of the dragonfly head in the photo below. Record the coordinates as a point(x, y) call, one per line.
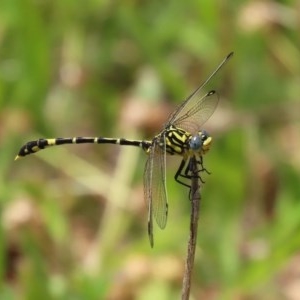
point(200, 142)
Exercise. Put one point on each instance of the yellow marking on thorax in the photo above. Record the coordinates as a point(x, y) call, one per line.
point(182, 136)
point(177, 149)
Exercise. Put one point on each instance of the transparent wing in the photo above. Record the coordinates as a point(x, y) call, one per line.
point(197, 112)
point(199, 106)
point(155, 186)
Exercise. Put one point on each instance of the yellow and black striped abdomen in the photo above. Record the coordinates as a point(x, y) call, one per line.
point(40, 144)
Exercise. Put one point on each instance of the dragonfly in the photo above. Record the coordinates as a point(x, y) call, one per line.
point(181, 135)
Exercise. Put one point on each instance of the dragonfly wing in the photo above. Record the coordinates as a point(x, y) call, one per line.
point(201, 103)
point(155, 185)
point(197, 112)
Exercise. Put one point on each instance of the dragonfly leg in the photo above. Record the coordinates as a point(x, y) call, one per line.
point(188, 170)
point(179, 173)
point(203, 169)
point(184, 171)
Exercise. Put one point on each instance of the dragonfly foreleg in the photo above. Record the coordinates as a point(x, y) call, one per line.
point(203, 169)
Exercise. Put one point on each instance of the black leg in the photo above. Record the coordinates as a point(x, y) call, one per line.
point(203, 169)
point(187, 171)
point(179, 171)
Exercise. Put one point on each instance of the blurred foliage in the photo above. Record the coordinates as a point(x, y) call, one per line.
point(73, 220)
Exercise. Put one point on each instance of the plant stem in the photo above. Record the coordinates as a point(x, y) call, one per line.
point(195, 198)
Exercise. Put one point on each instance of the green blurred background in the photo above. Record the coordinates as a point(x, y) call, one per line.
point(73, 219)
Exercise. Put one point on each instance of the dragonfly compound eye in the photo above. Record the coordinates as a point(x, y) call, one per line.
point(196, 142)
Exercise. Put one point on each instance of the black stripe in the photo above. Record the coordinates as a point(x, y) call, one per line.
point(61, 141)
point(130, 142)
point(102, 140)
point(83, 140)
